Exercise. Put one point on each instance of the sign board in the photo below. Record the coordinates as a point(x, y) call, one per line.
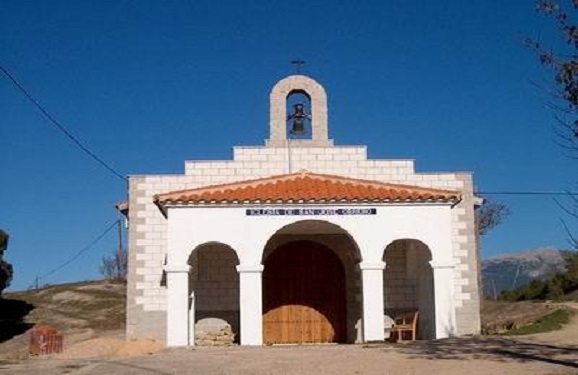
point(309, 211)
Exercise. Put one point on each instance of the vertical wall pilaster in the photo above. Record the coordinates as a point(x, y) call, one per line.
point(372, 286)
point(445, 312)
point(177, 305)
point(251, 303)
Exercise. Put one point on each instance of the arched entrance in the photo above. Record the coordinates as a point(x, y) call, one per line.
point(304, 295)
point(214, 288)
point(408, 283)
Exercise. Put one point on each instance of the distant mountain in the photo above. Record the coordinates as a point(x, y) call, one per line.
point(509, 271)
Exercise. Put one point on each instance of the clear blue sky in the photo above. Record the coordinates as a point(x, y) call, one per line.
point(147, 85)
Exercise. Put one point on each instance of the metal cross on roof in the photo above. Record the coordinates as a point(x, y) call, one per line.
point(298, 64)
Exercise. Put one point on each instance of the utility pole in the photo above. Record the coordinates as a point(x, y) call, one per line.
point(495, 291)
point(516, 276)
point(120, 254)
point(119, 226)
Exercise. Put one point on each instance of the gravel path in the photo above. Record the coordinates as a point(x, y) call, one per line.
point(454, 356)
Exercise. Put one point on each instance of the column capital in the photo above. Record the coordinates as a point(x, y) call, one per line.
point(250, 268)
point(442, 264)
point(177, 268)
point(372, 266)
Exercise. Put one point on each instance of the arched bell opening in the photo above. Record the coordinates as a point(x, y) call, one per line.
point(409, 285)
point(293, 87)
point(298, 108)
point(311, 285)
point(214, 288)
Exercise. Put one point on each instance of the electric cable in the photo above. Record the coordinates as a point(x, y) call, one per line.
point(81, 251)
point(551, 193)
point(60, 126)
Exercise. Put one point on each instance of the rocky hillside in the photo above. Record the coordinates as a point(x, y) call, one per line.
point(509, 271)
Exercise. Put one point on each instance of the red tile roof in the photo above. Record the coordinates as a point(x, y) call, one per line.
point(305, 187)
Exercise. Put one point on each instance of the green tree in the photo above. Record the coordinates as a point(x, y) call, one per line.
point(553, 288)
point(6, 270)
point(571, 274)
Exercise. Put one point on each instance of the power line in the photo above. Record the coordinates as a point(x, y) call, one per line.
point(550, 193)
point(60, 126)
point(81, 251)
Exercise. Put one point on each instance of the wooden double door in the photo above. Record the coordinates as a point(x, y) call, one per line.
point(304, 296)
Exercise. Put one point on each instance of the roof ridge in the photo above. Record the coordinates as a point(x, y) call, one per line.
point(246, 186)
point(381, 183)
point(226, 184)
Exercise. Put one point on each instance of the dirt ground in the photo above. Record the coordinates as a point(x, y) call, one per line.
point(548, 353)
point(455, 356)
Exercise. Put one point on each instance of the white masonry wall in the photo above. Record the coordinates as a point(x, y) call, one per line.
point(146, 306)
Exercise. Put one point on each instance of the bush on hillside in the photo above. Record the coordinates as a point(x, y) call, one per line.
point(554, 288)
point(6, 270)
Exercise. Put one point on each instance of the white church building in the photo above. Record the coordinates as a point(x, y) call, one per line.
point(300, 241)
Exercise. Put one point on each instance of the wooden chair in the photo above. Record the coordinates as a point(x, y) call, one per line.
point(405, 322)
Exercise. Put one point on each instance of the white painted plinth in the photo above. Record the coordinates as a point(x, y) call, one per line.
point(251, 303)
point(443, 274)
point(372, 283)
point(178, 302)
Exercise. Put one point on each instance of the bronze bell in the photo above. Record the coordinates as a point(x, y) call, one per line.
point(299, 116)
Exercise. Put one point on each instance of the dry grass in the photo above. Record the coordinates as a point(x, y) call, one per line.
point(551, 322)
point(99, 306)
point(500, 316)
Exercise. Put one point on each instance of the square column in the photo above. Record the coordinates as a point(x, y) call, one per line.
point(445, 312)
point(251, 303)
point(373, 311)
point(177, 305)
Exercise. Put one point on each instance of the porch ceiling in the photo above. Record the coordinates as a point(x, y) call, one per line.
point(311, 227)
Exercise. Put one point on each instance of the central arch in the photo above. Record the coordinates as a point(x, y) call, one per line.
point(304, 295)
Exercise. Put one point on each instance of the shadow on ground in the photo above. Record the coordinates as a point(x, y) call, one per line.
point(491, 348)
point(12, 314)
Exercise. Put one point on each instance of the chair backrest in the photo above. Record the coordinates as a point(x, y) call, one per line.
point(407, 319)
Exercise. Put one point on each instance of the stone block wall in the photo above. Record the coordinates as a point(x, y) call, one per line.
point(210, 331)
point(399, 285)
point(467, 256)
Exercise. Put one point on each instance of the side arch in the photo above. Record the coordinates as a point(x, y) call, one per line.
point(408, 283)
point(214, 286)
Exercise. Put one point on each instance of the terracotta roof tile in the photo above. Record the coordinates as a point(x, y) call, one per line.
point(306, 187)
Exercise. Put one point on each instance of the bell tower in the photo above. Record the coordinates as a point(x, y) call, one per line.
point(283, 124)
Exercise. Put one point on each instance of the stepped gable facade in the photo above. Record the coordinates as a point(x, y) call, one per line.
point(300, 241)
